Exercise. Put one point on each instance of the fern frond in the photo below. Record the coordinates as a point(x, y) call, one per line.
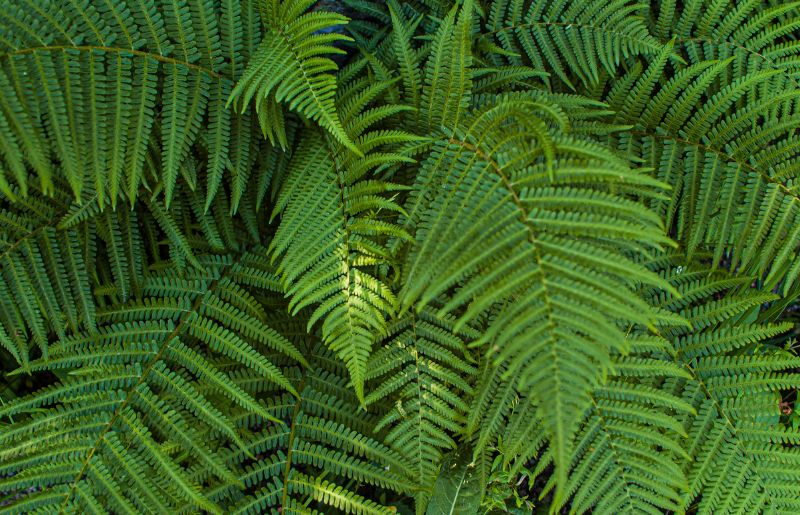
point(487, 229)
point(735, 442)
point(346, 231)
point(449, 64)
point(139, 60)
point(45, 285)
point(322, 453)
point(628, 452)
point(699, 125)
point(144, 375)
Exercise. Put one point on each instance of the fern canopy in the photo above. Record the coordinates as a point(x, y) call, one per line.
point(412, 256)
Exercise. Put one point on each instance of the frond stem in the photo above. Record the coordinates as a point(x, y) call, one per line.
point(589, 26)
point(733, 44)
point(727, 419)
point(724, 155)
point(94, 48)
point(523, 217)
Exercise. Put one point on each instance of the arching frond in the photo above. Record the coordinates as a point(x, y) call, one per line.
point(86, 91)
point(505, 219)
point(735, 441)
point(731, 192)
point(686, 412)
point(288, 68)
point(628, 453)
point(320, 456)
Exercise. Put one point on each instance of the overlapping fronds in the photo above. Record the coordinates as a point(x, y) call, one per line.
point(740, 457)
point(681, 418)
point(517, 214)
point(144, 399)
point(573, 41)
point(449, 63)
point(59, 254)
point(288, 68)
point(87, 90)
point(323, 454)
point(432, 256)
point(731, 179)
point(694, 413)
point(628, 454)
point(693, 422)
point(759, 36)
point(44, 286)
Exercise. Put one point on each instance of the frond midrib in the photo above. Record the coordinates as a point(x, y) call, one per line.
point(345, 220)
point(420, 410)
point(722, 154)
point(601, 29)
point(110, 49)
point(290, 442)
point(618, 459)
point(533, 240)
point(52, 222)
point(734, 45)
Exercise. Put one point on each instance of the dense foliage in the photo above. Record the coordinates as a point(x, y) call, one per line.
point(432, 256)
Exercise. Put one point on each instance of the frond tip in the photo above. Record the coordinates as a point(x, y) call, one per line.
point(288, 68)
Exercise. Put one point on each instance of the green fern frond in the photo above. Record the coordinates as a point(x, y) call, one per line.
point(629, 449)
point(44, 282)
point(147, 369)
point(432, 256)
point(697, 125)
point(322, 453)
point(139, 60)
point(449, 63)
point(501, 244)
point(347, 229)
point(734, 439)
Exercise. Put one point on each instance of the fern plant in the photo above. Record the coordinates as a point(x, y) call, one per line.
point(412, 256)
